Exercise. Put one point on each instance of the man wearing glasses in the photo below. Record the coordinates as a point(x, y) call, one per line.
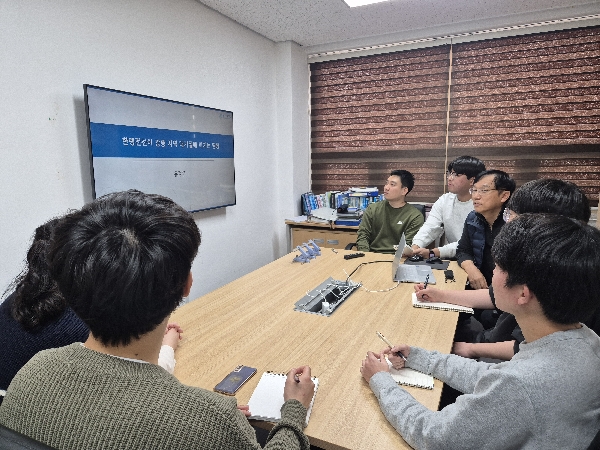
point(503, 340)
point(448, 213)
point(547, 396)
point(491, 190)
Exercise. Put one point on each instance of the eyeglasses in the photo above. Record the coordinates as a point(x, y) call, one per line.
point(452, 175)
point(509, 215)
point(473, 191)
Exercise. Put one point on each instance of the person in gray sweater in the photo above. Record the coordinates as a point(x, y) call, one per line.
point(546, 396)
point(123, 265)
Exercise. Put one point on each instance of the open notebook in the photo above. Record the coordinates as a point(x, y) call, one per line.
point(439, 305)
point(267, 399)
point(410, 377)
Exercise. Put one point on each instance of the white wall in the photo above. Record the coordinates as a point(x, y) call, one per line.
point(179, 50)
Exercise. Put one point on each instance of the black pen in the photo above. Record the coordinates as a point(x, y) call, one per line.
point(382, 337)
point(426, 281)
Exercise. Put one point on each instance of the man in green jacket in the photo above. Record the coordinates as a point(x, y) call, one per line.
point(384, 222)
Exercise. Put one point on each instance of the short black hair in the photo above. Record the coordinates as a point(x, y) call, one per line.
point(406, 178)
point(551, 196)
point(502, 180)
point(466, 165)
point(557, 258)
point(122, 262)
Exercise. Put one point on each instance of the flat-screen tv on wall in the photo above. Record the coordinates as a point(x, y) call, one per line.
point(158, 146)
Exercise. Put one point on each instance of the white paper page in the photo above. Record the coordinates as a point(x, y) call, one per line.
point(410, 377)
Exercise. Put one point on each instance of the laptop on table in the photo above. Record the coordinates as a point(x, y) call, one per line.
point(407, 273)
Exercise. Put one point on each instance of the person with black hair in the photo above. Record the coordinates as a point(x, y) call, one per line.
point(491, 190)
point(547, 396)
point(502, 341)
point(123, 265)
point(384, 222)
point(448, 213)
point(549, 195)
point(35, 316)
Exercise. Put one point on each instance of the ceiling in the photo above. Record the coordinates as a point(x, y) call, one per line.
point(331, 24)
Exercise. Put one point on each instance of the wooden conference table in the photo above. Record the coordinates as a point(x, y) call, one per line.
point(251, 321)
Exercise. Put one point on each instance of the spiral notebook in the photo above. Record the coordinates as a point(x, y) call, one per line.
point(267, 399)
point(439, 305)
point(410, 377)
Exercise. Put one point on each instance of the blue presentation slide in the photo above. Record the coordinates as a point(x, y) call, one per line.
point(181, 151)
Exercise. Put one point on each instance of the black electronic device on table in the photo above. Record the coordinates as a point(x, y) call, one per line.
point(434, 260)
point(353, 255)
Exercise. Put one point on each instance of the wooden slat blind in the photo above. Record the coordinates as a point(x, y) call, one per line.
point(529, 105)
point(374, 114)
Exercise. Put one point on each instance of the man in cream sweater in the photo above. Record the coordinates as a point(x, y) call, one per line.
point(448, 213)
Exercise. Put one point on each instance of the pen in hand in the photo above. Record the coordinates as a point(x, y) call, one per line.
point(426, 282)
point(389, 344)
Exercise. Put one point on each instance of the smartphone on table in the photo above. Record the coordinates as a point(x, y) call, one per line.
point(235, 380)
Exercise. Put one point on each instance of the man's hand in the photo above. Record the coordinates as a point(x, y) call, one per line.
point(397, 360)
point(424, 252)
point(476, 278)
point(172, 335)
point(245, 410)
point(299, 386)
point(429, 294)
point(372, 364)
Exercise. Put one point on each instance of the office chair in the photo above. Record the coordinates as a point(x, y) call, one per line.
point(418, 206)
point(11, 440)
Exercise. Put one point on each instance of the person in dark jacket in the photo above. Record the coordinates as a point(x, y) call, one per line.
point(35, 315)
point(490, 192)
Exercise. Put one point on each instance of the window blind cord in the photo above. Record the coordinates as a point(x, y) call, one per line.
point(448, 118)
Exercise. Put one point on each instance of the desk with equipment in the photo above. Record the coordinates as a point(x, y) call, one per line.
point(251, 321)
point(323, 234)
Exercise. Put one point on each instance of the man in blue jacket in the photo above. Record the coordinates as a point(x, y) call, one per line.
point(490, 192)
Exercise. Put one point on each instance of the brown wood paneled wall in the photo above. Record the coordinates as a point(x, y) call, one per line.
point(529, 105)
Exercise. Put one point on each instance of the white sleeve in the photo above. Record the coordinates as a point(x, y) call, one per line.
point(433, 227)
point(166, 358)
point(456, 213)
point(448, 251)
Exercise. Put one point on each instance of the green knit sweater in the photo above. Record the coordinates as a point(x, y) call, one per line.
point(76, 398)
point(382, 226)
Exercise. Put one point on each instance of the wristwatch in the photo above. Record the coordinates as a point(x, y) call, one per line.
point(431, 254)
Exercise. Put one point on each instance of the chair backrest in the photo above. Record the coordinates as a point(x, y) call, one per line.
point(597, 215)
point(420, 208)
point(11, 440)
